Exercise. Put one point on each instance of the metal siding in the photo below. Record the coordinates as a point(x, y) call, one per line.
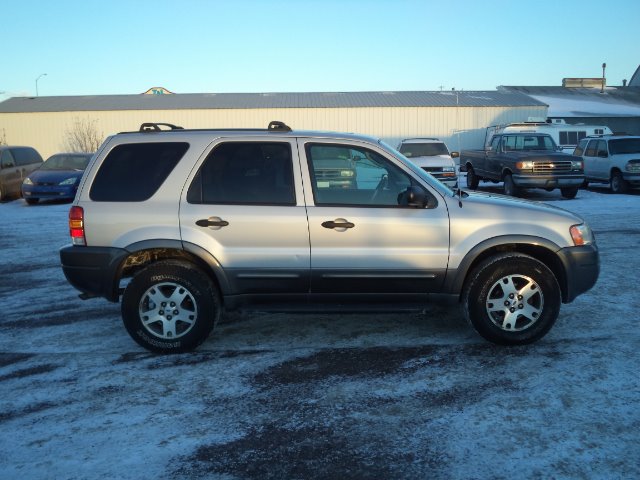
point(460, 127)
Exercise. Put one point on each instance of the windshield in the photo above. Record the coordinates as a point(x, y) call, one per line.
point(430, 179)
point(624, 145)
point(411, 150)
point(66, 162)
point(528, 142)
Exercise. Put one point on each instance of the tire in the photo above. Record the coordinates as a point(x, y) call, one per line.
point(617, 183)
point(509, 187)
point(511, 299)
point(472, 180)
point(585, 184)
point(164, 285)
point(569, 192)
point(31, 201)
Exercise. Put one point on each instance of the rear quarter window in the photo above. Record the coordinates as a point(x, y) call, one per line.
point(26, 156)
point(133, 172)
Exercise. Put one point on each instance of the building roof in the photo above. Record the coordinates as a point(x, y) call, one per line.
point(635, 79)
point(188, 101)
point(585, 102)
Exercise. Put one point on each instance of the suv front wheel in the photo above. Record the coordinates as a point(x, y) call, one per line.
point(569, 192)
point(472, 180)
point(618, 183)
point(511, 299)
point(170, 307)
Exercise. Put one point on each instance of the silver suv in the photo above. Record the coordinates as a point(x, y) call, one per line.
point(612, 159)
point(182, 224)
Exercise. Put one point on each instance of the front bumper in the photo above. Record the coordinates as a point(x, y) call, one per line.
point(49, 192)
point(582, 267)
point(449, 181)
point(632, 178)
point(548, 181)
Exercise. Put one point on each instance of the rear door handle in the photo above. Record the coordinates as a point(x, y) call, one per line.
point(339, 223)
point(214, 222)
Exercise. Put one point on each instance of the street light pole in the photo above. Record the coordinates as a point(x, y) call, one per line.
point(41, 75)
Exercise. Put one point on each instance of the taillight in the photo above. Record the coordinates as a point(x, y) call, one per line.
point(76, 226)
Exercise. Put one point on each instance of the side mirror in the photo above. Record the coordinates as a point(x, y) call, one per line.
point(455, 154)
point(416, 197)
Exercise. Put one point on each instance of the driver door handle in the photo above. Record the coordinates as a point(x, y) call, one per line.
point(212, 222)
point(339, 223)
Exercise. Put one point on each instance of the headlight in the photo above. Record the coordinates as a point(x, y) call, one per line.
point(576, 164)
point(581, 234)
point(528, 165)
point(27, 181)
point(346, 173)
point(632, 166)
point(69, 181)
point(448, 169)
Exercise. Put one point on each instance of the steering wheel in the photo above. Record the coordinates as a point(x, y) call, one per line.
point(382, 185)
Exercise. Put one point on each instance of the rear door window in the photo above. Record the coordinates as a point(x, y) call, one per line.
point(624, 145)
point(133, 172)
point(245, 173)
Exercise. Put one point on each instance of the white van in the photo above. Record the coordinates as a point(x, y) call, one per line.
point(565, 135)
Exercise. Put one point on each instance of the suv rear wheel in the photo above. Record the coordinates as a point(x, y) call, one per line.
point(511, 299)
point(170, 307)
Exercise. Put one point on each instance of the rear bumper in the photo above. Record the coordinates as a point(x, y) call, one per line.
point(582, 267)
point(93, 270)
point(548, 181)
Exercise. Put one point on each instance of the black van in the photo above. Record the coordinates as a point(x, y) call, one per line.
point(15, 164)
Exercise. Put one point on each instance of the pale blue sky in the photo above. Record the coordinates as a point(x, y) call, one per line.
point(89, 47)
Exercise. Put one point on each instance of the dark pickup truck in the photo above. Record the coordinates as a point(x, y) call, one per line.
point(524, 160)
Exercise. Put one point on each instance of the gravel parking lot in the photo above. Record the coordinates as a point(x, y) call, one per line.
point(282, 396)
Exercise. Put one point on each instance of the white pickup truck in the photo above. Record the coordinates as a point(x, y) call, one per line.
point(433, 156)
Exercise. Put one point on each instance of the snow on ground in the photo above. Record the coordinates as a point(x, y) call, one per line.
point(286, 396)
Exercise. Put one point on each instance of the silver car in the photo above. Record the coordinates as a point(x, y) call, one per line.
point(183, 224)
point(612, 159)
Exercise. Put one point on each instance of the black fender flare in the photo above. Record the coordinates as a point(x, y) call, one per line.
point(455, 279)
point(204, 256)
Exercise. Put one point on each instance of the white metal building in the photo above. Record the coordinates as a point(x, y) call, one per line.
point(616, 107)
point(457, 117)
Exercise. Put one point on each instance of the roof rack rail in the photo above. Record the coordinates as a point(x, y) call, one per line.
point(276, 126)
point(155, 127)
point(421, 138)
